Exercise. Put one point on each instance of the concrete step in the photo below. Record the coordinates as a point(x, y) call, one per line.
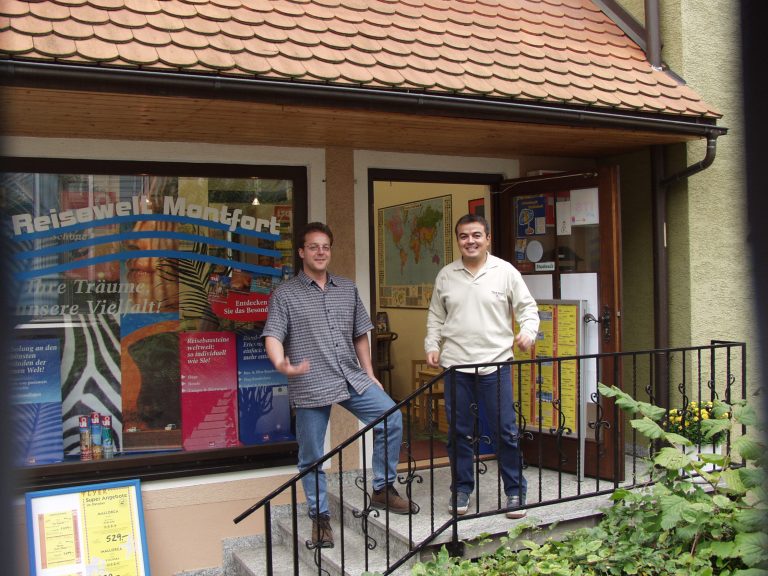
point(352, 554)
point(388, 537)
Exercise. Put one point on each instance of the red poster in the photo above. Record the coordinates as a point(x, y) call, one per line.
point(208, 390)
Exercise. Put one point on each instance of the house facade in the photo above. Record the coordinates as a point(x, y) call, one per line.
point(291, 112)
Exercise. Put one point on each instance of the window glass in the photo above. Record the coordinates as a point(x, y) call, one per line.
point(139, 302)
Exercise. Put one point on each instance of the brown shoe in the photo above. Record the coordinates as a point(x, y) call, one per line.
point(388, 498)
point(322, 533)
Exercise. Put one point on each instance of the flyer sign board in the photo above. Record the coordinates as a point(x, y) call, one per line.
point(93, 530)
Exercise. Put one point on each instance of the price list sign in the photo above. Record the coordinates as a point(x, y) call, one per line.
point(94, 530)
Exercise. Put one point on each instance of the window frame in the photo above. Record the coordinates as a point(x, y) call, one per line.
point(167, 464)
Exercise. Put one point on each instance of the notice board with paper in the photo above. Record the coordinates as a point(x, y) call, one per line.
point(94, 530)
point(552, 391)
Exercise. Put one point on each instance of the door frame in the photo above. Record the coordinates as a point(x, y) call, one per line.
point(602, 453)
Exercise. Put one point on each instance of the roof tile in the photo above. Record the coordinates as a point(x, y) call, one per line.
point(354, 73)
point(251, 63)
point(238, 30)
point(49, 11)
point(292, 9)
point(476, 70)
point(247, 16)
point(14, 8)
point(174, 56)
point(290, 68)
point(163, 21)
point(97, 50)
point(326, 54)
point(361, 58)
point(279, 20)
point(113, 33)
point(227, 3)
point(32, 25)
point(151, 36)
point(54, 46)
point(202, 26)
point(191, 40)
point(334, 40)
point(180, 9)
point(143, 55)
point(215, 59)
point(143, 6)
point(214, 12)
point(372, 30)
point(559, 51)
point(107, 4)
point(533, 91)
point(226, 43)
point(127, 18)
point(388, 76)
point(299, 52)
point(14, 42)
point(74, 29)
point(259, 47)
point(447, 82)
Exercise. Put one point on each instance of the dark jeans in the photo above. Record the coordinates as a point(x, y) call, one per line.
point(494, 397)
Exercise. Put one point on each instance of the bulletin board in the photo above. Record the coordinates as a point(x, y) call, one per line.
point(544, 383)
point(93, 530)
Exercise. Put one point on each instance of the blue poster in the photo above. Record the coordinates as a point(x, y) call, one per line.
point(531, 214)
point(264, 411)
point(36, 398)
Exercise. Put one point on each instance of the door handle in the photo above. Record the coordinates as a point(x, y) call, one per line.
point(604, 320)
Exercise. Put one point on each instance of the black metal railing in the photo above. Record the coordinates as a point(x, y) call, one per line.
point(572, 440)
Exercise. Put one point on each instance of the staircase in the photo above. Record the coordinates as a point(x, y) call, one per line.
point(248, 558)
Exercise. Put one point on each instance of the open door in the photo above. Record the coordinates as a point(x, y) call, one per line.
point(562, 231)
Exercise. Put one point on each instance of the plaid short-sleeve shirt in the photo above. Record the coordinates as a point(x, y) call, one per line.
point(320, 326)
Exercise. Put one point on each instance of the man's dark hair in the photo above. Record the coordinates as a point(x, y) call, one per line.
point(470, 219)
point(316, 227)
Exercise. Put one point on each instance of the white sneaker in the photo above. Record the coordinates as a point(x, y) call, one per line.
point(462, 503)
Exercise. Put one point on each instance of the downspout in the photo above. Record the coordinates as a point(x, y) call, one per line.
point(659, 189)
point(653, 34)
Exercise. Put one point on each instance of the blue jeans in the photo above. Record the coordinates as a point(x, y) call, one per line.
point(495, 401)
point(311, 424)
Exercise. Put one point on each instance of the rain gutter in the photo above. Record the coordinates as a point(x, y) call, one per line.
point(178, 84)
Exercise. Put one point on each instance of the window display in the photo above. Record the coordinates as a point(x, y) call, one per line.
point(139, 300)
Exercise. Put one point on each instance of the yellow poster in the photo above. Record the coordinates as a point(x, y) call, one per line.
point(110, 532)
point(59, 538)
point(548, 381)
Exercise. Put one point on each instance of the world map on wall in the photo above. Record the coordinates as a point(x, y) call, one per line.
point(415, 243)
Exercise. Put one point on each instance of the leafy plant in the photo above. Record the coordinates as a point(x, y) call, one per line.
point(669, 526)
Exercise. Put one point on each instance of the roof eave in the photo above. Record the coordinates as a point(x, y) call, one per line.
point(53, 75)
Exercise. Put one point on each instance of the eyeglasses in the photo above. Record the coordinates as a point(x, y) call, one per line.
point(318, 247)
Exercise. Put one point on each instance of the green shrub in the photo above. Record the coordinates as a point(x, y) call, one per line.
point(672, 526)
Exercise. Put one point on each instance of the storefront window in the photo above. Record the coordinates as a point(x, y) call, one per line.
point(139, 302)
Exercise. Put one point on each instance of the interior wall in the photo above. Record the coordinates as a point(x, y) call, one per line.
point(410, 323)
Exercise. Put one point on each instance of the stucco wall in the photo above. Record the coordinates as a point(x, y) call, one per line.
point(710, 273)
point(716, 260)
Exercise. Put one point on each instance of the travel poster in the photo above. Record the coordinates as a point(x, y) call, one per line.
point(263, 408)
point(36, 396)
point(208, 390)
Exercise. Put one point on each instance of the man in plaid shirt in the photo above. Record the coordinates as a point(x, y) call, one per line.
point(317, 335)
